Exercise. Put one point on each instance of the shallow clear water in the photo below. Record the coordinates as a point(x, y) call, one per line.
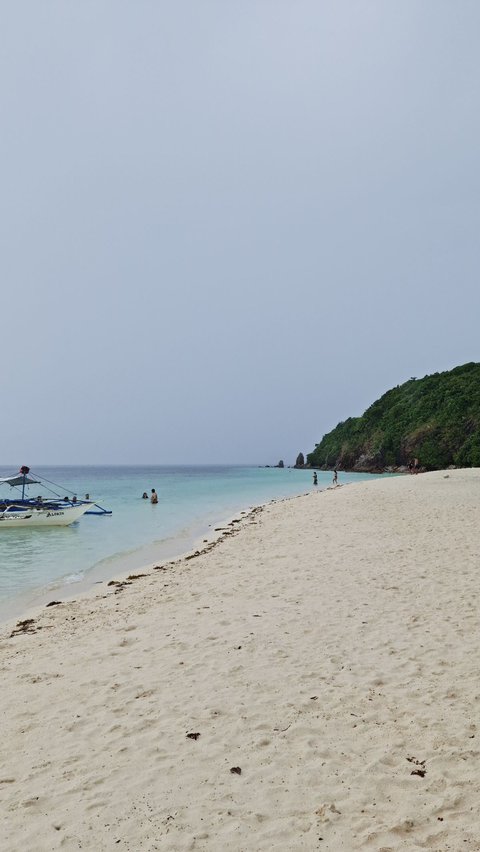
point(190, 500)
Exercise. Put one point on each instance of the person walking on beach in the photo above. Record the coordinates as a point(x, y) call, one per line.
point(315, 479)
point(154, 497)
point(335, 477)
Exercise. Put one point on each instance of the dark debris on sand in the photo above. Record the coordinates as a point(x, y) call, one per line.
point(25, 626)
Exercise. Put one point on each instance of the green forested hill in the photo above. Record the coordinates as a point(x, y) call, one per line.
point(435, 419)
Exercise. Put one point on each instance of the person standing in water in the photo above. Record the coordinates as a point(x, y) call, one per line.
point(315, 479)
point(335, 477)
point(154, 497)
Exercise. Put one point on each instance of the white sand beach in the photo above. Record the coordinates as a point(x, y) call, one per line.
point(325, 656)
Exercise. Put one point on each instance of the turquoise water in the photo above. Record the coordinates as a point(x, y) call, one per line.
point(191, 499)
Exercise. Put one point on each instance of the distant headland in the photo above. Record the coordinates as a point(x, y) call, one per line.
point(434, 421)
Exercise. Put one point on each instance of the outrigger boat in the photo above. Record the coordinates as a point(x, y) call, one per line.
point(42, 511)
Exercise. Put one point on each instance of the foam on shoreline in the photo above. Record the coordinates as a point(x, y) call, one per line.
point(312, 674)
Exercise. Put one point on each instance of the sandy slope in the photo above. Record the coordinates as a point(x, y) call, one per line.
point(329, 649)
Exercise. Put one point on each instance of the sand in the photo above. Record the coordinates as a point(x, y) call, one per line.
point(326, 649)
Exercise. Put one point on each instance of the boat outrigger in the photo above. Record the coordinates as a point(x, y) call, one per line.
point(42, 511)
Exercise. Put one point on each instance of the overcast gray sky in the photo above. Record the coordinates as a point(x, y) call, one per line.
point(226, 226)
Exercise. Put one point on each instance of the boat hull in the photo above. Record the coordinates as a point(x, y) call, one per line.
point(60, 516)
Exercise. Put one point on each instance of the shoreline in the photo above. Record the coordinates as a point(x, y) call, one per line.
point(169, 550)
point(312, 674)
point(77, 570)
point(75, 579)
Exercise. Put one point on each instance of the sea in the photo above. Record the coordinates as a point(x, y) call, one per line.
point(36, 564)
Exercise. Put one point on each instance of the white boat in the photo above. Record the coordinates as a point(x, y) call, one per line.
point(16, 515)
point(40, 511)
